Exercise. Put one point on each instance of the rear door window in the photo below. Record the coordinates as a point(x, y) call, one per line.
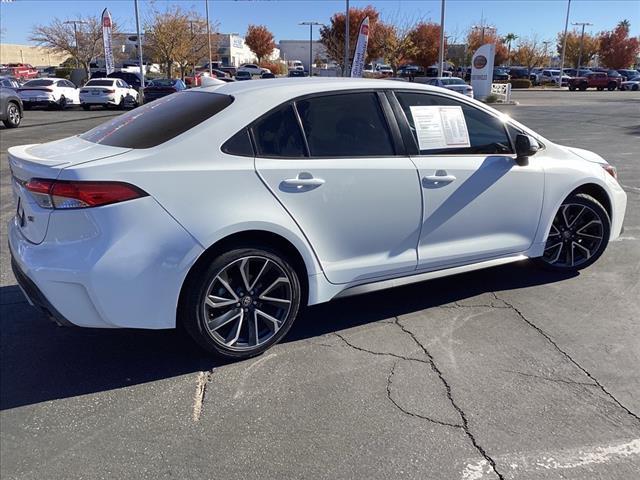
point(278, 134)
point(345, 125)
point(158, 121)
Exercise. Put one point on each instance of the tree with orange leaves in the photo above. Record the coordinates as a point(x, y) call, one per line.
point(260, 40)
point(617, 49)
point(425, 38)
point(475, 39)
point(332, 35)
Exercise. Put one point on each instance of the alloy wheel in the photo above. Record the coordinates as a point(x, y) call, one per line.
point(13, 114)
point(576, 235)
point(247, 303)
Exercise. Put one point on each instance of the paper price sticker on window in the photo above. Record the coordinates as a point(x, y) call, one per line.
point(440, 127)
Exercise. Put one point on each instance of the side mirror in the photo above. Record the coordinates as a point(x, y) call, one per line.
point(526, 146)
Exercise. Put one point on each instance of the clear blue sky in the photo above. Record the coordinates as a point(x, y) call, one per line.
point(545, 18)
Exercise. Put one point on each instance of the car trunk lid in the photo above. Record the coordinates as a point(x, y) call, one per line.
point(46, 161)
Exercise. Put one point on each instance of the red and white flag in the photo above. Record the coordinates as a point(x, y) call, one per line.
point(106, 41)
point(360, 54)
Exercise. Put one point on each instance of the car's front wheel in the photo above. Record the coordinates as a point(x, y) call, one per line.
point(579, 234)
point(242, 303)
point(14, 117)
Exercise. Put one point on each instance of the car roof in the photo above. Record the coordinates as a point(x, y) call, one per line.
point(286, 88)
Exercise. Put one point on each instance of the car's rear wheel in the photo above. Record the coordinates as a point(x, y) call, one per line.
point(242, 303)
point(579, 234)
point(612, 86)
point(14, 117)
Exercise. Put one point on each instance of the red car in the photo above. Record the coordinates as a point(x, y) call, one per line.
point(599, 80)
point(22, 71)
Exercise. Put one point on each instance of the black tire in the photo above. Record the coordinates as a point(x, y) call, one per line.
point(14, 116)
point(635, 88)
point(86, 108)
point(583, 87)
point(62, 103)
point(192, 311)
point(121, 104)
point(596, 250)
point(572, 88)
point(612, 86)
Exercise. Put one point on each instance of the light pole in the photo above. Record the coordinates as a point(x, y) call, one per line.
point(141, 93)
point(206, 7)
point(564, 43)
point(311, 24)
point(583, 24)
point(346, 41)
point(441, 60)
point(75, 36)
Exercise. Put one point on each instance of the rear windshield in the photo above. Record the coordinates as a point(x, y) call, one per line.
point(38, 83)
point(99, 83)
point(158, 121)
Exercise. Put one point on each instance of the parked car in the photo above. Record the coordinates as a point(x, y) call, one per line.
point(22, 71)
point(410, 71)
point(267, 75)
point(108, 92)
point(161, 87)
point(131, 78)
point(550, 76)
point(631, 84)
point(253, 69)
point(113, 241)
point(611, 73)
point(10, 107)
point(450, 83)
point(10, 82)
point(500, 75)
point(220, 73)
point(518, 72)
point(297, 73)
point(244, 75)
point(231, 71)
point(47, 72)
point(572, 72)
point(597, 80)
point(384, 69)
point(49, 92)
point(628, 74)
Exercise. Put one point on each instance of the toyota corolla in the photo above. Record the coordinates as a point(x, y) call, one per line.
point(226, 209)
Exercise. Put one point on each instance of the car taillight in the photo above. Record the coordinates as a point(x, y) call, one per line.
point(611, 170)
point(63, 194)
point(109, 91)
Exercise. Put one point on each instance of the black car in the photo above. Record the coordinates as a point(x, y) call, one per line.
point(131, 78)
point(500, 75)
point(161, 87)
point(297, 73)
point(11, 109)
point(267, 75)
point(518, 72)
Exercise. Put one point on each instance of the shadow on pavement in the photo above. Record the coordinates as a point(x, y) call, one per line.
point(41, 361)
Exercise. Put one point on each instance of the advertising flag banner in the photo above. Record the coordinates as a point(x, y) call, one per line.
point(482, 70)
point(361, 49)
point(106, 41)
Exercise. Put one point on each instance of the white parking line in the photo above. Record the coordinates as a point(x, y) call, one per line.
point(559, 460)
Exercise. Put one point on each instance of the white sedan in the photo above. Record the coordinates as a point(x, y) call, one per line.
point(226, 209)
point(253, 69)
point(454, 84)
point(108, 92)
point(49, 92)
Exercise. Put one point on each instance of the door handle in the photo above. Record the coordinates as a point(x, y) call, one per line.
point(304, 182)
point(440, 178)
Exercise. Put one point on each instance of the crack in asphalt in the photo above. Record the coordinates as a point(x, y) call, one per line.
point(407, 412)
point(567, 356)
point(549, 379)
point(431, 362)
point(463, 416)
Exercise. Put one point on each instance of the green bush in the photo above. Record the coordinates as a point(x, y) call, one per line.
point(520, 83)
point(63, 72)
point(491, 98)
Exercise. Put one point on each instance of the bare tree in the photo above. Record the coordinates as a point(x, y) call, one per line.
point(60, 37)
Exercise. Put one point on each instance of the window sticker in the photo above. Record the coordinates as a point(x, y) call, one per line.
point(439, 127)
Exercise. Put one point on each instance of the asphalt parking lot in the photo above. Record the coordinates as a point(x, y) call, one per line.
point(507, 373)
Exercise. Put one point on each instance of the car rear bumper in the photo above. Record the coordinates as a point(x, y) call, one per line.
point(116, 266)
point(96, 100)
